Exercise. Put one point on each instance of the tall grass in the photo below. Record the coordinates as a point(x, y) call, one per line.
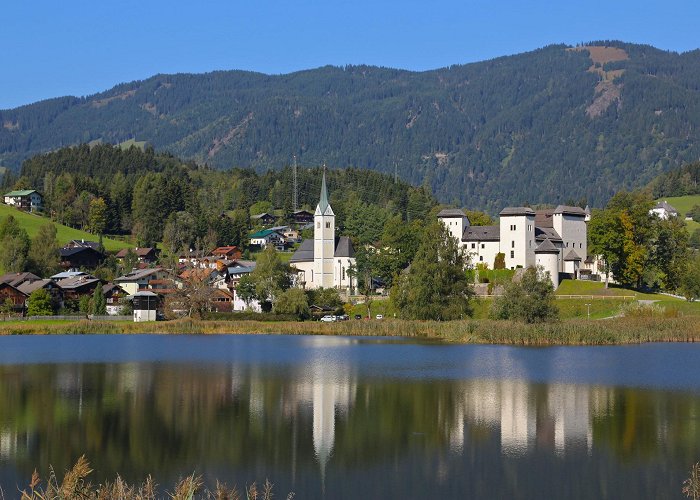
point(691, 486)
point(76, 486)
point(622, 330)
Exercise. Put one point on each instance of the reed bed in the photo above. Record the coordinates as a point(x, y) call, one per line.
point(621, 330)
point(76, 486)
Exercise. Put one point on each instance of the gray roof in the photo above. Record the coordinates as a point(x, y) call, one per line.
point(482, 233)
point(572, 255)
point(517, 211)
point(77, 282)
point(343, 247)
point(451, 212)
point(666, 206)
point(323, 202)
point(16, 279)
point(138, 274)
point(68, 274)
point(29, 286)
point(543, 233)
point(546, 247)
point(565, 209)
point(305, 252)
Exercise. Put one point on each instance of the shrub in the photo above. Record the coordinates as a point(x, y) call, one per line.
point(39, 303)
point(531, 299)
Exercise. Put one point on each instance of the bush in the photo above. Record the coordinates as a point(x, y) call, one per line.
point(500, 261)
point(39, 303)
point(531, 299)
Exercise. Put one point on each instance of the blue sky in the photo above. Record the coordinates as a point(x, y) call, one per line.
point(76, 47)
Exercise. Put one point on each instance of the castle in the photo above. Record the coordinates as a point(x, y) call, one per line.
point(555, 239)
point(324, 262)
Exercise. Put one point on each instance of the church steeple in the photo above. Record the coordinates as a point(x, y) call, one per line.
point(323, 201)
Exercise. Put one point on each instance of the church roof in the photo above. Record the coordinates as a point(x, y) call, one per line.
point(305, 252)
point(323, 202)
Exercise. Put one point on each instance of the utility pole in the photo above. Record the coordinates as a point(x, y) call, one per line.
point(295, 198)
point(396, 173)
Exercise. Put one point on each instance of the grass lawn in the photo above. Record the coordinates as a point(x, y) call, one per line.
point(683, 204)
point(32, 222)
point(580, 287)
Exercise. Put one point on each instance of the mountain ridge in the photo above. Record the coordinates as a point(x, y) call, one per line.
point(508, 130)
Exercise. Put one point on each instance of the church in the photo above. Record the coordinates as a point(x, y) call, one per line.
point(324, 262)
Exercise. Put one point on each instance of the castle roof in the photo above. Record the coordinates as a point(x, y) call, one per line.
point(451, 212)
point(567, 210)
point(482, 233)
point(517, 211)
point(572, 256)
point(546, 247)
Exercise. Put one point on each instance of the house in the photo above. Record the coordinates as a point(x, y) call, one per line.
point(263, 219)
point(266, 237)
point(227, 252)
point(16, 279)
point(10, 293)
point(326, 260)
point(146, 279)
point(663, 210)
point(28, 200)
point(114, 298)
point(75, 257)
point(521, 237)
point(73, 289)
point(302, 217)
point(28, 287)
point(222, 300)
point(145, 255)
point(82, 244)
point(145, 305)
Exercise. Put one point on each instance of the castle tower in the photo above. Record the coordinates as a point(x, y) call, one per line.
point(324, 240)
point(547, 256)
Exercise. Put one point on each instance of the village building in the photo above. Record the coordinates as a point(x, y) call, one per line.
point(145, 305)
point(525, 237)
point(75, 257)
point(145, 255)
point(114, 298)
point(73, 289)
point(266, 237)
point(27, 200)
point(663, 210)
point(28, 287)
point(10, 293)
point(227, 252)
point(263, 219)
point(302, 217)
point(327, 260)
point(146, 279)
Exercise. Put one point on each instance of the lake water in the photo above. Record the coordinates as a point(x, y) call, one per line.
point(337, 417)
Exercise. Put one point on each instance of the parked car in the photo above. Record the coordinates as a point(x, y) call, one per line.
point(380, 316)
point(358, 316)
point(342, 317)
point(328, 318)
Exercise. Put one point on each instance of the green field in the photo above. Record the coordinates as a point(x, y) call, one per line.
point(32, 222)
point(683, 204)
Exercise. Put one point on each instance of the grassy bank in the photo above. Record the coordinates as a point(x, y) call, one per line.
point(625, 330)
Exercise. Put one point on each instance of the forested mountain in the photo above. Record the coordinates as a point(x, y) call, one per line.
point(545, 126)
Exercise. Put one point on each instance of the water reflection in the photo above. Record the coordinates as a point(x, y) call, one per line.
point(320, 426)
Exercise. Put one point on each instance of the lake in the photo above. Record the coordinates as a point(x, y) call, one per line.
point(354, 417)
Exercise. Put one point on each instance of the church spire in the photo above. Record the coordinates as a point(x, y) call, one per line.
point(323, 202)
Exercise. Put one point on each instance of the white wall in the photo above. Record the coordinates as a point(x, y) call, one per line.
point(518, 240)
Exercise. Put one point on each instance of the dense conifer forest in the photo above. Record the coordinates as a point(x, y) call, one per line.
point(546, 126)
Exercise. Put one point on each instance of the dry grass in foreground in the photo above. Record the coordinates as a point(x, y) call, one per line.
point(622, 330)
point(75, 486)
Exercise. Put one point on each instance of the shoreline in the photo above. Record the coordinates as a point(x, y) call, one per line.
point(622, 330)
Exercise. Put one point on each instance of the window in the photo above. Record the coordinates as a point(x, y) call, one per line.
point(473, 245)
point(481, 258)
point(512, 254)
point(483, 245)
point(512, 244)
point(318, 225)
point(342, 272)
point(328, 225)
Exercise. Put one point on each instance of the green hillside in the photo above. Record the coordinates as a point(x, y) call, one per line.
point(486, 135)
point(32, 222)
point(683, 204)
